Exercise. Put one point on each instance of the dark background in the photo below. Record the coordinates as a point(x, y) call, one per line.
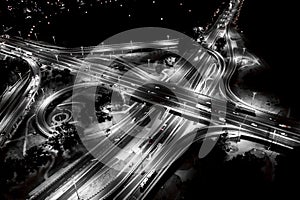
point(270, 29)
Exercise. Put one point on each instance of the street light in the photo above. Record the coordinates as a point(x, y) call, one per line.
point(36, 36)
point(253, 96)
point(273, 139)
point(241, 60)
point(20, 75)
point(53, 37)
point(81, 50)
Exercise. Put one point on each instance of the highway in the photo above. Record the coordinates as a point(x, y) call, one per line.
point(83, 51)
point(160, 122)
point(124, 141)
point(15, 104)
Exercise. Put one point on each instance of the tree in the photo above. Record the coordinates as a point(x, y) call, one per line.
point(159, 69)
point(220, 44)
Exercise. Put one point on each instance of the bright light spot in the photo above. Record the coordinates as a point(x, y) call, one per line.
point(253, 124)
point(222, 119)
point(161, 18)
point(203, 107)
point(284, 134)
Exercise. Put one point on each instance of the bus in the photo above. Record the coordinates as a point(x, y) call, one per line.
point(150, 176)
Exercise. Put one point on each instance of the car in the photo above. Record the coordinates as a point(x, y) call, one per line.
point(284, 126)
point(283, 134)
point(222, 119)
point(253, 124)
point(27, 53)
point(246, 111)
point(164, 126)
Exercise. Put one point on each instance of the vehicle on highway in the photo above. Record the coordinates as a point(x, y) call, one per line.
point(222, 119)
point(147, 180)
point(253, 124)
point(164, 126)
point(284, 126)
point(244, 110)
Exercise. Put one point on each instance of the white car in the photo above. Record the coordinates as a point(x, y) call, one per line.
point(222, 119)
point(253, 124)
point(284, 126)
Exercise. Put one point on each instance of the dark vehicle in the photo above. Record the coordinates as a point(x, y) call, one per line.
point(246, 111)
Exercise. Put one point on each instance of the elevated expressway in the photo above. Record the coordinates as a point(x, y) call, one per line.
point(16, 102)
point(192, 102)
